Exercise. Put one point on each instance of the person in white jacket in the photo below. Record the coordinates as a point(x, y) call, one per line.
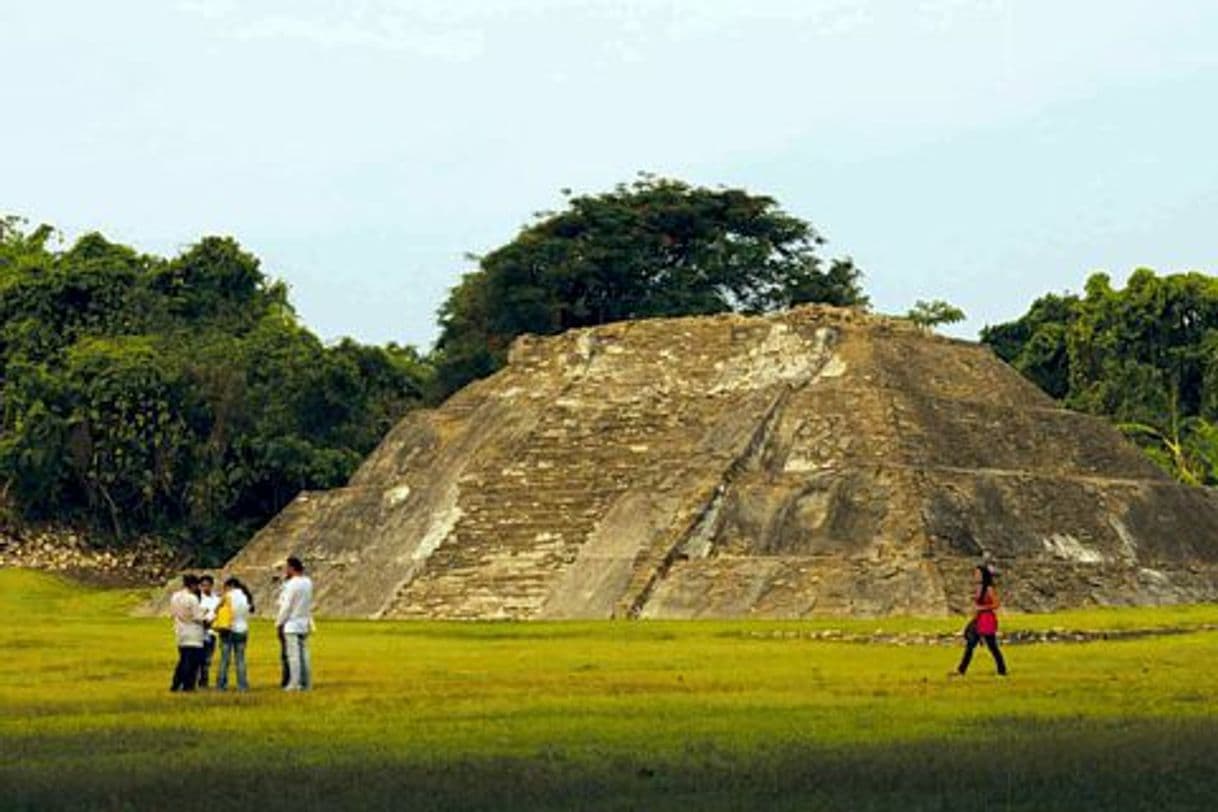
point(294, 622)
point(188, 632)
point(210, 601)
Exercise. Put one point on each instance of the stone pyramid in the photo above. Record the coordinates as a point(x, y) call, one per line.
point(816, 461)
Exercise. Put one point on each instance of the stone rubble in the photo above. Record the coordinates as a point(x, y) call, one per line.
point(143, 562)
point(1014, 637)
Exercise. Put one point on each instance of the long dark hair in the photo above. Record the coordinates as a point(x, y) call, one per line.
point(987, 578)
point(249, 597)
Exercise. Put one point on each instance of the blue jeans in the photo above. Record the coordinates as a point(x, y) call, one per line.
point(232, 646)
point(300, 676)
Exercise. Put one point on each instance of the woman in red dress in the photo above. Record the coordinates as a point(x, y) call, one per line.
point(984, 625)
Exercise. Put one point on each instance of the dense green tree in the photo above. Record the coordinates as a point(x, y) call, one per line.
point(1035, 344)
point(933, 313)
point(655, 247)
point(127, 437)
point(175, 396)
point(1145, 355)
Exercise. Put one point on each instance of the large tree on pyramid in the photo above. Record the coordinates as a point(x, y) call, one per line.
point(654, 247)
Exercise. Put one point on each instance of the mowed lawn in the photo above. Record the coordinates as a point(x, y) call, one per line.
point(609, 715)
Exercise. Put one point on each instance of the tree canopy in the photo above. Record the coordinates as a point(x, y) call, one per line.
point(933, 313)
point(654, 247)
point(180, 396)
point(175, 396)
point(1145, 355)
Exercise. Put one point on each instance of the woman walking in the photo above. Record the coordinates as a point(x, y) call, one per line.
point(234, 612)
point(984, 625)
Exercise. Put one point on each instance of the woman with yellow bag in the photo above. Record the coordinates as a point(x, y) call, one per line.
point(232, 624)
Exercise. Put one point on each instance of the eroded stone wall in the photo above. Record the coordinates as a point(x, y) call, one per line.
point(814, 461)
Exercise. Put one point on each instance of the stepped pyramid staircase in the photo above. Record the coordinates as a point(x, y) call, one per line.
point(815, 461)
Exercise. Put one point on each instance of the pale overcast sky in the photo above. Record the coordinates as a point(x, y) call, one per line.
point(984, 151)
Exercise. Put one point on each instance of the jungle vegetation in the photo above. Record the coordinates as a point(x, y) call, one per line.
point(181, 397)
point(1145, 355)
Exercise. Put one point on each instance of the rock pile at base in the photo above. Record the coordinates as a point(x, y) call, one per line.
point(817, 461)
point(141, 563)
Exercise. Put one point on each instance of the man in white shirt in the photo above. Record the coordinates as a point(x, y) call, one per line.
point(210, 602)
point(188, 632)
point(295, 621)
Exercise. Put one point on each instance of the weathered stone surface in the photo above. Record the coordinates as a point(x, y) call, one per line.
point(814, 461)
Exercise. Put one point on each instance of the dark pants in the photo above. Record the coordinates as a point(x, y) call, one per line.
point(186, 674)
point(971, 639)
point(285, 674)
point(209, 649)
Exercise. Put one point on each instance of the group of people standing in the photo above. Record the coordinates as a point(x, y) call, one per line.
point(204, 620)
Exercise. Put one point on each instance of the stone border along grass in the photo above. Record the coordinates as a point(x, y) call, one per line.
point(1015, 637)
point(145, 562)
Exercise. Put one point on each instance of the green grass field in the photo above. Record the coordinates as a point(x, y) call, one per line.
point(639, 715)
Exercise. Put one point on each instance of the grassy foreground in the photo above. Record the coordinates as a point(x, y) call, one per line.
point(603, 715)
